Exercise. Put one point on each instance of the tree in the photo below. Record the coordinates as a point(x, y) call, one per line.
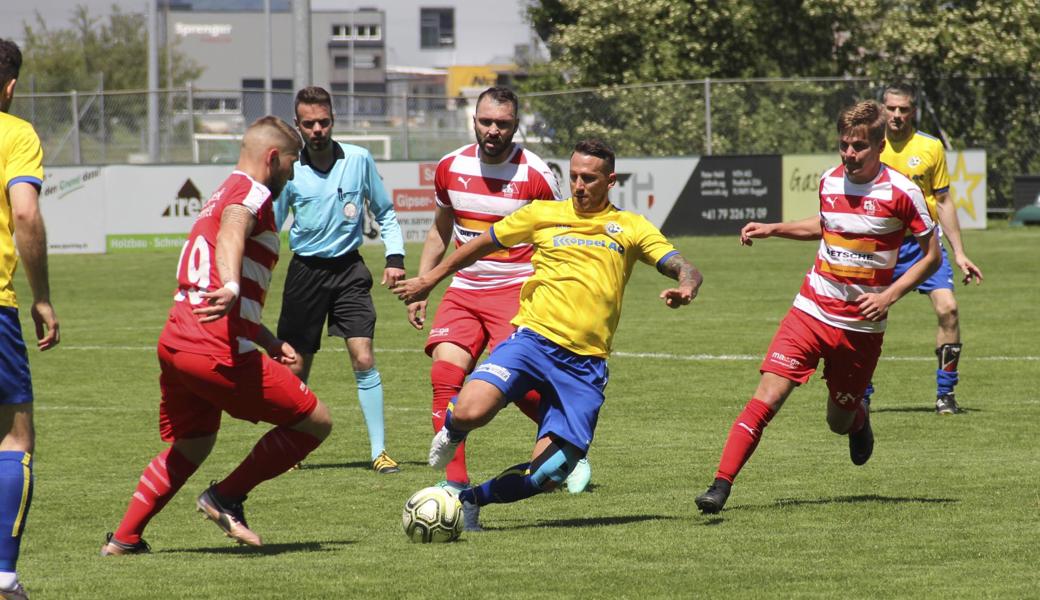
point(974, 60)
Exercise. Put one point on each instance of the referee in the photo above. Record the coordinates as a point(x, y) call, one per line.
point(327, 279)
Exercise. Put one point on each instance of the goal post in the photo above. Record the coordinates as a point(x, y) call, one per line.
point(223, 147)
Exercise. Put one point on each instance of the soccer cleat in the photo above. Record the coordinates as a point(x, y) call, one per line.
point(114, 547)
point(579, 478)
point(384, 465)
point(714, 498)
point(229, 516)
point(442, 449)
point(946, 404)
point(18, 593)
point(471, 516)
point(861, 443)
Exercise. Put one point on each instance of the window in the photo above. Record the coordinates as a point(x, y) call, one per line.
point(340, 32)
point(361, 32)
point(341, 62)
point(437, 27)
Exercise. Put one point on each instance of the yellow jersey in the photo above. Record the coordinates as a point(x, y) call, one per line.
point(21, 161)
point(922, 159)
point(582, 262)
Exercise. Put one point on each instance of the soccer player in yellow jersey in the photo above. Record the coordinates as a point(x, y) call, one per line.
point(585, 249)
point(21, 175)
point(921, 158)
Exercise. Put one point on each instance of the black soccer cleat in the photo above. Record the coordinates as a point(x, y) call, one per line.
point(861, 444)
point(946, 404)
point(712, 500)
point(114, 547)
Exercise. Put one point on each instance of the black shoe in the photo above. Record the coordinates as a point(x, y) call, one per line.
point(114, 547)
point(861, 444)
point(946, 404)
point(712, 500)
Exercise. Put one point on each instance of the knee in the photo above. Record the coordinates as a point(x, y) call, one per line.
point(362, 362)
point(195, 449)
point(947, 313)
point(318, 423)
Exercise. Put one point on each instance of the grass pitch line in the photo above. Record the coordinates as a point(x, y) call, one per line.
point(619, 354)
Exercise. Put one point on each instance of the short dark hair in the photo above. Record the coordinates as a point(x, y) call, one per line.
point(313, 94)
point(901, 89)
point(597, 148)
point(869, 114)
point(502, 95)
point(10, 61)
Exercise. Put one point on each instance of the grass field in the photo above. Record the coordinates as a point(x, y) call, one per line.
point(948, 507)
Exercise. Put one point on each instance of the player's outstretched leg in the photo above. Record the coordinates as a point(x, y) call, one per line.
point(370, 396)
point(741, 443)
point(228, 514)
point(579, 478)
point(446, 379)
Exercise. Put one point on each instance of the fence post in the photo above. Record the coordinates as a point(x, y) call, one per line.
point(707, 116)
point(32, 98)
point(191, 122)
point(77, 158)
point(102, 129)
point(404, 124)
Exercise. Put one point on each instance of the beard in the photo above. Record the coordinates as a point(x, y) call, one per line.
point(501, 146)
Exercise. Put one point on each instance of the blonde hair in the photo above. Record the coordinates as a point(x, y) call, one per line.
point(868, 114)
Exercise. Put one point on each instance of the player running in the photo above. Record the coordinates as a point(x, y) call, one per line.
point(584, 252)
point(476, 186)
point(840, 311)
point(208, 351)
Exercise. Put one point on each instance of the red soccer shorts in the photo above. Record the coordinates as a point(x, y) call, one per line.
point(849, 357)
point(474, 319)
point(196, 388)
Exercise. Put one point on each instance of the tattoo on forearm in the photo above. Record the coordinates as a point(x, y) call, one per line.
point(680, 269)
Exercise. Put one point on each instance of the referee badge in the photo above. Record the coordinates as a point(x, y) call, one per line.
point(350, 211)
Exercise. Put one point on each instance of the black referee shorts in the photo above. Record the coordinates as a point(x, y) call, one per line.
point(337, 289)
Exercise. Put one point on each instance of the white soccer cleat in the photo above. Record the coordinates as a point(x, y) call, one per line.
point(579, 478)
point(442, 449)
point(18, 593)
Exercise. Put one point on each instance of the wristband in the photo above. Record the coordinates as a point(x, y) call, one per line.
point(234, 287)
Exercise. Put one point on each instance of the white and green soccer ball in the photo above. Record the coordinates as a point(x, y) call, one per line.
point(432, 515)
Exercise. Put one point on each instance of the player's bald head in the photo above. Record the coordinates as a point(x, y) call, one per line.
point(270, 132)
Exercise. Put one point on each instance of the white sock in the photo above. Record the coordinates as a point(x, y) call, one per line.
point(8, 580)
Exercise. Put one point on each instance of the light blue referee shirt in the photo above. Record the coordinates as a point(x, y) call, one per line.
point(329, 207)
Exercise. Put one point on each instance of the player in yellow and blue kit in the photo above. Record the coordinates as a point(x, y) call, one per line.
point(921, 158)
point(585, 250)
point(21, 175)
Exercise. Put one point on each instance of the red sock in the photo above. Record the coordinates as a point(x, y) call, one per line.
point(161, 480)
point(277, 452)
point(529, 405)
point(743, 438)
point(447, 379)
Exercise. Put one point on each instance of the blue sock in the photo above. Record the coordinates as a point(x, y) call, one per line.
point(16, 487)
point(945, 380)
point(511, 485)
point(449, 418)
point(370, 395)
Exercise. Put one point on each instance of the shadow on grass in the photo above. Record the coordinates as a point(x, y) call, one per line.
point(586, 522)
point(916, 409)
point(307, 466)
point(265, 550)
point(861, 499)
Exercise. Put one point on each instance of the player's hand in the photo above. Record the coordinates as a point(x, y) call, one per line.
point(48, 333)
point(391, 275)
point(417, 314)
point(676, 297)
point(874, 307)
point(412, 290)
point(219, 303)
point(971, 272)
point(754, 230)
point(284, 353)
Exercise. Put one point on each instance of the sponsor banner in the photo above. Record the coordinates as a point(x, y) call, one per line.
point(158, 198)
point(135, 243)
point(724, 193)
point(72, 204)
point(967, 170)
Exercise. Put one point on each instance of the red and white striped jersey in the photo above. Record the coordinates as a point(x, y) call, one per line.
point(481, 194)
point(197, 273)
point(863, 227)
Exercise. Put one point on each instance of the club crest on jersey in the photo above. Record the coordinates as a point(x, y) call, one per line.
point(869, 206)
point(508, 189)
point(350, 211)
point(614, 228)
point(914, 161)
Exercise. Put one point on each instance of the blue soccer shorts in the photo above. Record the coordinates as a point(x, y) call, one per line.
point(571, 385)
point(910, 253)
point(15, 382)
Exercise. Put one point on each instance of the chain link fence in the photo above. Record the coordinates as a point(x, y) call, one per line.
point(703, 117)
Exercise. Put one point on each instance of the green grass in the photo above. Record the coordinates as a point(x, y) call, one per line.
point(947, 507)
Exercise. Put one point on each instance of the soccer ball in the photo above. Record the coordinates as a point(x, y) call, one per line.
point(432, 514)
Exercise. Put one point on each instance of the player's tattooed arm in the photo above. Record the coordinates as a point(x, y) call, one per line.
point(236, 222)
point(689, 278)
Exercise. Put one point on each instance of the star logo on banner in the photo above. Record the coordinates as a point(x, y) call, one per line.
point(963, 181)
